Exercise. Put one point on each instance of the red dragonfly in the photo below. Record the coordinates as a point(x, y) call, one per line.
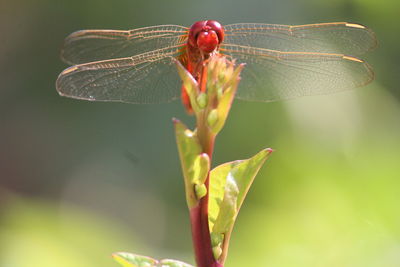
point(282, 62)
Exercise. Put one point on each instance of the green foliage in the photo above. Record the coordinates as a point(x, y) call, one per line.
point(222, 82)
point(229, 184)
point(132, 260)
point(225, 93)
point(195, 165)
point(173, 263)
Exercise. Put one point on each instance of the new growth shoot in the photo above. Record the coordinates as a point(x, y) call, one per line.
point(213, 196)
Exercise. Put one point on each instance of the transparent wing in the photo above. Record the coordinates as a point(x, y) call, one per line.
point(94, 45)
point(146, 78)
point(273, 75)
point(337, 37)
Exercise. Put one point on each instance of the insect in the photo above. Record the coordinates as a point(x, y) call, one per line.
point(282, 62)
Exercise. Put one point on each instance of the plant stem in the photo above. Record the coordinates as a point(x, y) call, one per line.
point(199, 214)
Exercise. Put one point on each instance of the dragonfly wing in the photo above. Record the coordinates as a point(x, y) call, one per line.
point(143, 79)
point(338, 37)
point(273, 75)
point(94, 45)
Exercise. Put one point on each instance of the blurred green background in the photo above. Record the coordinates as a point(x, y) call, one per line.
point(80, 180)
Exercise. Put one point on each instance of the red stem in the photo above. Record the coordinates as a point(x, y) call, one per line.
point(199, 214)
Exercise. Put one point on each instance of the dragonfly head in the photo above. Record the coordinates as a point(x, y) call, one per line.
point(206, 35)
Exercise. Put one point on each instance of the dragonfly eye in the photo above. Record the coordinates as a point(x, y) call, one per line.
point(195, 30)
point(217, 27)
point(206, 35)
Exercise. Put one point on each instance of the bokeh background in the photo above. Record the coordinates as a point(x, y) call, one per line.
point(80, 180)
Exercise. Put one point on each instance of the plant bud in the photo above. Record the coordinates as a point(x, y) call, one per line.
point(202, 100)
point(217, 251)
point(201, 190)
point(212, 117)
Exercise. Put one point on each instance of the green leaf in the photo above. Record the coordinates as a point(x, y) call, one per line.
point(173, 263)
point(195, 164)
point(132, 260)
point(228, 207)
point(225, 99)
point(229, 184)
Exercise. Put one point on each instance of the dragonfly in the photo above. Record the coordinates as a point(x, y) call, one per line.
point(281, 61)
